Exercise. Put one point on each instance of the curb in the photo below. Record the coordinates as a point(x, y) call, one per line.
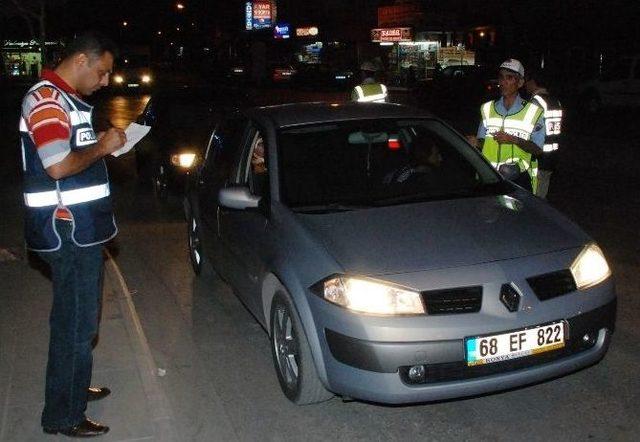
point(159, 407)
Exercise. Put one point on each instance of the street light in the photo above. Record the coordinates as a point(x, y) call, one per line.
point(180, 6)
point(124, 23)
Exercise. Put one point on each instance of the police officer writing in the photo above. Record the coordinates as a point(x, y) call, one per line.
point(369, 91)
point(535, 86)
point(511, 131)
point(68, 218)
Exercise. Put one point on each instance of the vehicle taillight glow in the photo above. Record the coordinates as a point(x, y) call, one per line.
point(393, 144)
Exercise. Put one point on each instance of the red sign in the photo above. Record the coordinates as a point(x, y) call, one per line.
point(404, 14)
point(391, 34)
point(262, 10)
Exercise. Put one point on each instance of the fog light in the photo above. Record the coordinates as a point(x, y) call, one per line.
point(417, 374)
point(589, 339)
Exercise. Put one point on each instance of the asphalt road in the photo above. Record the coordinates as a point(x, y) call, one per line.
point(219, 376)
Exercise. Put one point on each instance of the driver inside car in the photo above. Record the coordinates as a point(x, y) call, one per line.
point(425, 160)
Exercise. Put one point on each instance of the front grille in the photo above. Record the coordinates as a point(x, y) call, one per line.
point(578, 326)
point(552, 285)
point(451, 301)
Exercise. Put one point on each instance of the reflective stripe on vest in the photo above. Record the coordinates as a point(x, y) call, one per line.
point(518, 127)
point(373, 98)
point(67, 197)
point(552, 118)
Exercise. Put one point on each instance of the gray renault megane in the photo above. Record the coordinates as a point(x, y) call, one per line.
point(388, 260)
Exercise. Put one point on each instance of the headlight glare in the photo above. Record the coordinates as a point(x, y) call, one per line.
point(590, 267)
point(146, 78)
point(118, 79)
point(185, 160)
point(368, 296)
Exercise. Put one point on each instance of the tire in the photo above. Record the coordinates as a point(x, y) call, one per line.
point(291, 354)
point(159, 183)
point(195, 244)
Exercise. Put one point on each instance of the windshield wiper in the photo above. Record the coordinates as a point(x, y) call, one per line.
point(467, 192)
point(330, 208)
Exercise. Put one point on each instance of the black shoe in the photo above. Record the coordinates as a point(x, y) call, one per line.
point(97, 393)
point(86, 428)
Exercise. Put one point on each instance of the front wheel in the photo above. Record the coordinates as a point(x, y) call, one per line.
point(292, 359)
point(159, 181)
point(195, 244)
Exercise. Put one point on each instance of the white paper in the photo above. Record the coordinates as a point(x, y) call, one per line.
point(134, 132)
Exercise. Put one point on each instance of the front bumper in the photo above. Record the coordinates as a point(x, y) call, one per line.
point(376, 371)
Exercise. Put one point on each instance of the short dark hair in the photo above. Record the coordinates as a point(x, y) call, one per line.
point(537, 75)
point(92, 43)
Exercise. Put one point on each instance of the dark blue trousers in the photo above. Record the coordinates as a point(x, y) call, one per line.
point(76, 273)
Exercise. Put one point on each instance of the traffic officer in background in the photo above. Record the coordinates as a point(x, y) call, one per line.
point(535, 86)
point(68, 217)
point(369, 91)
point(511, 131)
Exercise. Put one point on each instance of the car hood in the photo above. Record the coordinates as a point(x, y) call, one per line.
point(442, 234)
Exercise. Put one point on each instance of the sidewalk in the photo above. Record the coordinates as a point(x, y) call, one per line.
point(137, 407)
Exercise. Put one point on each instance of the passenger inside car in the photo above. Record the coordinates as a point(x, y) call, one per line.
point(259, 179)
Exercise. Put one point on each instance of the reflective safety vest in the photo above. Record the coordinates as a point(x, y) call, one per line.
point(522, 125)
point(370, 93)
point(86, 195)
point(553, 128)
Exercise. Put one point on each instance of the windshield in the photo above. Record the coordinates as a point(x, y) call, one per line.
point(366, 163)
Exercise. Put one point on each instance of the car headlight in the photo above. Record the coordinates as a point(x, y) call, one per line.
point(118, 79)
point(146, 78)
point(369, 296)
point(185, 160)
point(590, 267)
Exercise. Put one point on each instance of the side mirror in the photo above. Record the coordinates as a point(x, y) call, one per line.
point(509, 171)
point(238, 198)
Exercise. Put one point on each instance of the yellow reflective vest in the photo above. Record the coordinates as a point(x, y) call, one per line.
point(522, 125)
point(369, 93)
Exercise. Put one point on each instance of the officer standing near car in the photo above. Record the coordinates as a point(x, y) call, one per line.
point(369, 91)
point(511, 131)
point(535, 86)
point(68, 217)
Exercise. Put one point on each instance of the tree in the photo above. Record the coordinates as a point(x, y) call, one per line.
point(34, 13)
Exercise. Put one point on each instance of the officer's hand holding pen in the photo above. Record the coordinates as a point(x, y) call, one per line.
point(112, 140)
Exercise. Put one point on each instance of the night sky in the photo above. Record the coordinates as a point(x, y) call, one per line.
point(612, 25)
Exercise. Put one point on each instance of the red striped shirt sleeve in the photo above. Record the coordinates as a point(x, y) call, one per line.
point(48, 121)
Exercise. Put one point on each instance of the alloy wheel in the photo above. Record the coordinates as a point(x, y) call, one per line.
point(285, 343)
point(195, 246)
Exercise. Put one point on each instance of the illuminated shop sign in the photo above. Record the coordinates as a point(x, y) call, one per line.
point(310, 31)
point(403, 14)
point(259, 14)
point(281, 31)
point(391, 34)
point(12, 44)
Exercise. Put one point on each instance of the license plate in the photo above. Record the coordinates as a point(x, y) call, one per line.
point(515, 344)
point(133, 85)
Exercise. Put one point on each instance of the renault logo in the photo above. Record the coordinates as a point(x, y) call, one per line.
point(510, 297)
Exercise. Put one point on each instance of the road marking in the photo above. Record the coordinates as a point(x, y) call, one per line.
point(159, 406)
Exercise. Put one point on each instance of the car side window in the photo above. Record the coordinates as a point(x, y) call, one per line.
point(254, 170)
point(148, 115)
point(224, 148)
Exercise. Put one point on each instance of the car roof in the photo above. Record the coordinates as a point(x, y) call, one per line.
point(295, 114)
